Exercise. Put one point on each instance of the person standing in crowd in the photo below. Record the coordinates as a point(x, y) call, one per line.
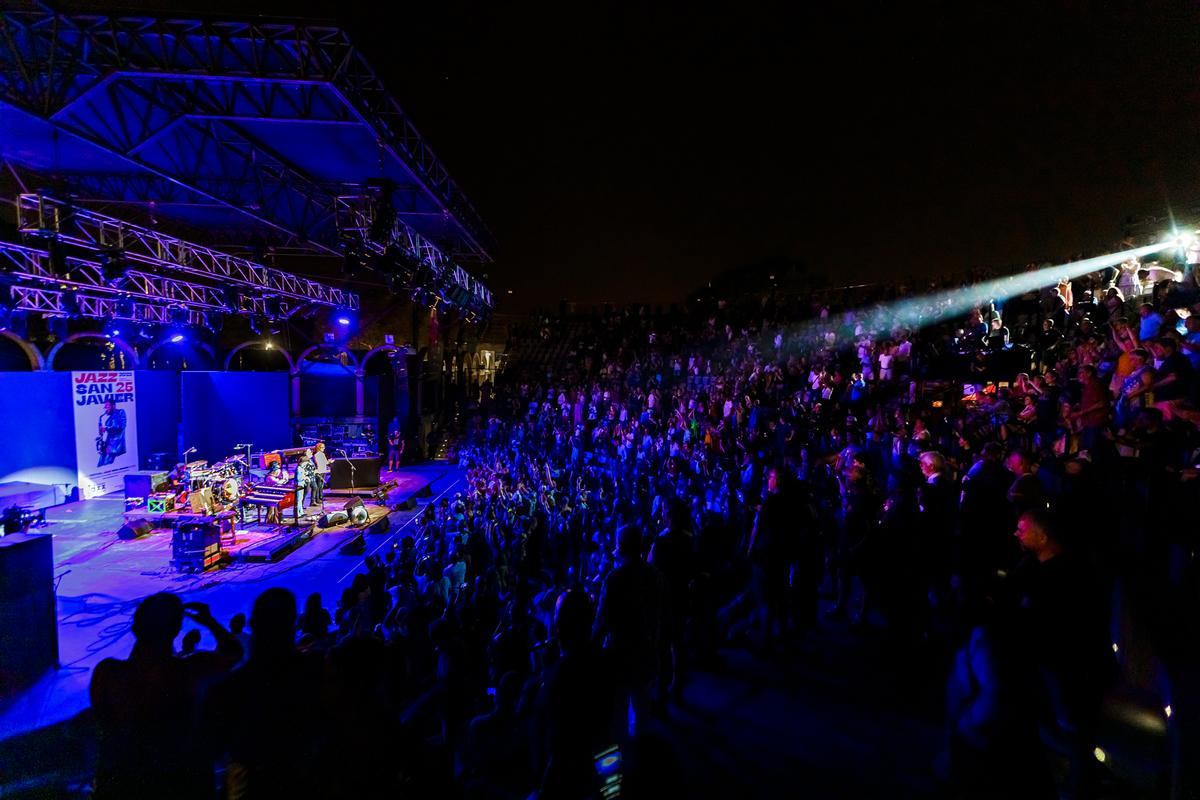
point(1063, 618)
point(630, 624)
point(261, 727)
point(145, 706)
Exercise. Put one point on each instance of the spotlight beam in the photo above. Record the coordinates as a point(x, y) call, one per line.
point(928, 309)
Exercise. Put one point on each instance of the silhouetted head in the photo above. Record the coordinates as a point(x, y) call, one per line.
point(629, 543)
point(573, 620)
point(158, 619)
point(273, 621)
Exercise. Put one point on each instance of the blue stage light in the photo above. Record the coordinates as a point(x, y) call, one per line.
point(177, 338)
point(343, 320)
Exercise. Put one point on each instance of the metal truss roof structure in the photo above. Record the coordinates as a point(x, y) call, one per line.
point(249, 130)
point(42, 216)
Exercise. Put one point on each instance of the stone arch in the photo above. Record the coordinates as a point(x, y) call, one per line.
point(36, 360)
point(120, 343)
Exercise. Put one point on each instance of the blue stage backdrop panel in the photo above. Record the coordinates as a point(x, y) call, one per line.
point(326, 390)
point(39, 428)
point(222, 409)
point(158, 414)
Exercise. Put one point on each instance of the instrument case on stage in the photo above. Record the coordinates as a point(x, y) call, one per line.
point(160, 503)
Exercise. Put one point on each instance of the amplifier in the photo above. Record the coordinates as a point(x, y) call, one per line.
point(161, 503)
point(196, 546)
point(143, 484)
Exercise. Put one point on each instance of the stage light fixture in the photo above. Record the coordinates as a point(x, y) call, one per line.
point(114, 268)
point(350, 264)
point(232, 299)
point(57, 257)
point(70, 303)
point(176, 338)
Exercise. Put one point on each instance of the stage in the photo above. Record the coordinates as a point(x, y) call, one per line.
point(102, 579)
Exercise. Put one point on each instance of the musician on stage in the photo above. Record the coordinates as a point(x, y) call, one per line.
point(276, 476)
point(177, 479)
point(321, 464)
point(306, 478)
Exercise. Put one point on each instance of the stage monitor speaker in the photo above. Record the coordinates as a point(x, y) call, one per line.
point(407, 504)
point(424, 491)
point(352, 503)
point(354, 547)
point(28, 617)
point(135, 529)
point(333, 518)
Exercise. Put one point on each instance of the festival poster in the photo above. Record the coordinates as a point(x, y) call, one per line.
point(105, 430)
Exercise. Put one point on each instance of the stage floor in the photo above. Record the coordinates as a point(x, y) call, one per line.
point(103, 578)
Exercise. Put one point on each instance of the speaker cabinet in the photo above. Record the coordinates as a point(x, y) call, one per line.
point(28, 616)
point(135, 529)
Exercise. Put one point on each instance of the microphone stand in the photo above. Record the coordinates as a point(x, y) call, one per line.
point(352, 469)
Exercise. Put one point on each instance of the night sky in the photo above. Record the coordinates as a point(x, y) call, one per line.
point(629, 152)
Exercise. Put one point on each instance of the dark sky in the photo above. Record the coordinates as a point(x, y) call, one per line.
point(631, 151)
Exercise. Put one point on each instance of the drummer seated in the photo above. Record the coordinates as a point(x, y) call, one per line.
point(177, 479)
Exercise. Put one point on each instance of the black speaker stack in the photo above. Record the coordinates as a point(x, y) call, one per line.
point(28, 616)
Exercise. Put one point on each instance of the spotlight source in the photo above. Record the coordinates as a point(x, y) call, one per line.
point(177, 338)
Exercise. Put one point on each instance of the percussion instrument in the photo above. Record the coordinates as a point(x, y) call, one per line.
point(230, 490)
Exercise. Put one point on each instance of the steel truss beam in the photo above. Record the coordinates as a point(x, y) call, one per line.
point(48, 60)
point(34, 266)
point(66, 303)
point(43, 216)
point(355, 216)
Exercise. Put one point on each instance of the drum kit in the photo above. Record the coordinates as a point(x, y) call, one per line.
point(224, 479)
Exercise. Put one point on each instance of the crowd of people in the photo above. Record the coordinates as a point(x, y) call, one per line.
point(736, 474)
